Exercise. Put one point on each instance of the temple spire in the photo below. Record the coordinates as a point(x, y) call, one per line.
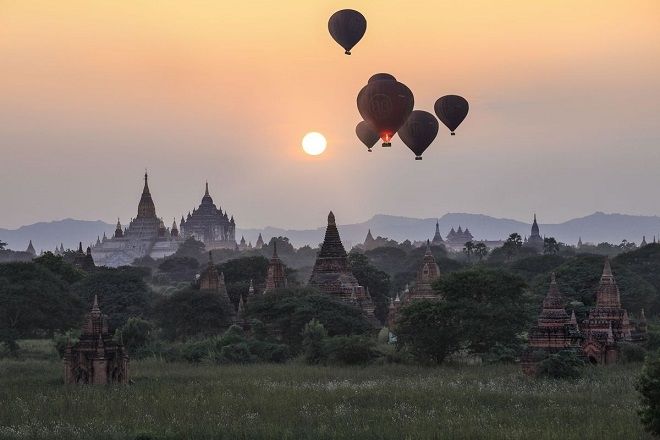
point(206, 193)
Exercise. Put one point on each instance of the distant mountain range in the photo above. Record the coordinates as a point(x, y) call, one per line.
point(594, 228)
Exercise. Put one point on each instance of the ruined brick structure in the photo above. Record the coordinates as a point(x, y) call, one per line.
point(212, 281)
point(96, 358)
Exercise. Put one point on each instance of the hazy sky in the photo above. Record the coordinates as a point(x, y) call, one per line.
point(564, 108)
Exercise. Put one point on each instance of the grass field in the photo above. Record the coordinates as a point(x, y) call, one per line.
point(177, 400)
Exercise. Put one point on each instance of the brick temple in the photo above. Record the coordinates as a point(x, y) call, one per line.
point(332, 275)
point(427, 274)
point(212, 281)
point(276, 274)
point(96, 358)
point(597, 337)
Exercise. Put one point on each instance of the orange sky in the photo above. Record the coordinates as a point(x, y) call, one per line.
point(564, 108)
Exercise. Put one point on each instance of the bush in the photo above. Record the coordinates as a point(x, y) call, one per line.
point(632, 352)
point(349, 350)
point(238, 353)
point(648, 386)
point(136, 333)
point(502, 354)
point(563, 365)
point(313, 335)
point(61, 339)
point(269, 352)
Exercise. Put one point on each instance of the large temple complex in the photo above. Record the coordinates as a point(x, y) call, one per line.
point(146, 235)
point(210, 225)
point(596, 338)
point(332, 275)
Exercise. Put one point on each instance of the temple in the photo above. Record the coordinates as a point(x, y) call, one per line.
point(146, 235)
point(332, 275)
point(212, 281)
point(276, 274)
point(369, 242)
point(437, 238)
point(598, 337)
point(608, 322)
point(456, 239)
point(208, 224)
point(96, 358)
point(555, 330)
point(30, 249)
point(535, 241)
point(427, 274)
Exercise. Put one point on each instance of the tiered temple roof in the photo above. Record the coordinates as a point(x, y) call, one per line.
point(459, 237)
point(210, 225)
point(535, 240)
point(212, 281)
point(437, 237)
point(554, 331)
point(332, 275)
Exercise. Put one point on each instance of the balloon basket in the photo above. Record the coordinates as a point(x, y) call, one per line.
point(418, 158)
point(369, 150)
point(453, 134)
point(387, 144)
point(348, 52)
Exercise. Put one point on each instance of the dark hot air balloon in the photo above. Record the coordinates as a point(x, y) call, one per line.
point(451, 110)
point(385, 103)
point(347, 27)
point(366, 133)
point(419, 131)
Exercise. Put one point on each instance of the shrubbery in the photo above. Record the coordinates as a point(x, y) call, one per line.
point(632, 352)
point(563, 365)
point(648, 387)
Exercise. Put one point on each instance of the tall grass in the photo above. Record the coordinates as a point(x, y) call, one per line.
point(176, 400)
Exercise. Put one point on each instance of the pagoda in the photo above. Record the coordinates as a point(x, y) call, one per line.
point(437, 237)
point(427, 274)
point(146, 235)
point(555, 330)
point(212, 281)
point(276, 274)
point(369, 242)
point(332, 275)
point(210, 225)
point(535, 241)
point(608, 322)
point(96, 358)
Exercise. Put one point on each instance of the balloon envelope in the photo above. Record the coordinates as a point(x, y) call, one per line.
point(381, 77)
point(385, 104)
point(347, 27)
point(451, 110)
point(419, 131)
point(366, 133)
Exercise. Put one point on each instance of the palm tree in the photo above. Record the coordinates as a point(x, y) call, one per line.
point(468, 248)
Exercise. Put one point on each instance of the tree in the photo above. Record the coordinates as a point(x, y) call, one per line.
point(283, 247)
point(122, 293)
point(429, 330)
point(191, 248)
point(648, 386)
point(489, 307)
point(481, 250)
point(191, 312)
point(2, 245)
point(286, 311)
point(33, 300)
point(468, 249)
point(512, 245)
point(312, 343)
point(179, 268)
point(58, 266)
point(550, 246)
point(377, 281)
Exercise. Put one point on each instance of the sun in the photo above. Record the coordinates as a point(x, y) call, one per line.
point(314, 143)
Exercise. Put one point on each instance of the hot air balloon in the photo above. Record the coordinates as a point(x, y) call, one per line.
point(419, 131)
point(385, 103)
point(366, 133)
point(451, 110)
point(347, 27)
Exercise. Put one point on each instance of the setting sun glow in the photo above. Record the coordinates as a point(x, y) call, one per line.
point(314, 143)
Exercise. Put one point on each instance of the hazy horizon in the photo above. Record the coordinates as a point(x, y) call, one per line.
point(564, 104)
